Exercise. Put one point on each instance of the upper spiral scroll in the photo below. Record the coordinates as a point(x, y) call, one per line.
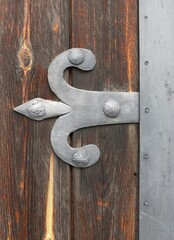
point(80, 58)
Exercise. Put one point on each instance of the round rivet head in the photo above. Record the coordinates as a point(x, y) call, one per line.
point(146, 62)
point(111, 109)
point(146, 203)
point(146, 156)
point(76, 56)
point(36, 109)
point(80, 158)
point(146, 110)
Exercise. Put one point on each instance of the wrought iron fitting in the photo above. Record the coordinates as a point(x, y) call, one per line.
point(79, 108)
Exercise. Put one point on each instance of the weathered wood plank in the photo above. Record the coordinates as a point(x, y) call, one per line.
point(105, 195)
point(34, 187)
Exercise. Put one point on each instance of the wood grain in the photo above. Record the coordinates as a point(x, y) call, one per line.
point(34, 186)
point(105, 195)
point(41, 197)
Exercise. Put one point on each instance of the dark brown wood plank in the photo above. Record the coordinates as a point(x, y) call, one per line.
point(34, 186)
point(105, 195)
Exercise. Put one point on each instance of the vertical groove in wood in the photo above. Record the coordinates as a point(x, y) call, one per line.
point(105, 195)
point(32, 33)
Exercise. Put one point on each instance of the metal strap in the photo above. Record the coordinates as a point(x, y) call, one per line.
point(156, 120)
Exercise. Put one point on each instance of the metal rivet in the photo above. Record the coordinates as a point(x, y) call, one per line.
point(80, 158)
point(36, 109)
point(146, 62)
point(111, 109)
point(146, 110)
point(146, 203)
point(146, 156)
point(76, 56)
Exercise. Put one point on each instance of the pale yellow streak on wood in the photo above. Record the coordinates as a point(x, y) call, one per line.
point(50, 202)
point(9, 237)
point(26, 27)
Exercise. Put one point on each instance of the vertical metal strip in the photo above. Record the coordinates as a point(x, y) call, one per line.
point(156, 119)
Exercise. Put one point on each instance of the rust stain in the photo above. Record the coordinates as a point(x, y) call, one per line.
point(17, 216)
point(25, 53)
point(50, 203)
point(101, 203)
point(55, 27)
point(22, 176)
point(21, 185)
point(98, 218)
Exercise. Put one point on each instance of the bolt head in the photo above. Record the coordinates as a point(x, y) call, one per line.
point(146, 156)
point(147, 110)
point(111, 109)
point(146, 203)
point(146, 62)
point(76, 56)
point(36, 109)
point(80, 158)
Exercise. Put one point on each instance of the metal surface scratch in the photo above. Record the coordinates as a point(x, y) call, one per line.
point(154, 219)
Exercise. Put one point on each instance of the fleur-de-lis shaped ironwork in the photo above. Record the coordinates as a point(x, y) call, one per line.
point(79, 108)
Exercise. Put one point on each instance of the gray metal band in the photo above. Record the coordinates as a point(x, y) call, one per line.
point(156, 120)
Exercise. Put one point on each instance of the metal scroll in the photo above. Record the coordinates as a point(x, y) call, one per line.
point(79, 108)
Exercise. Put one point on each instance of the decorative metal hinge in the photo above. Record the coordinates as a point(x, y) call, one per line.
point(80, 108)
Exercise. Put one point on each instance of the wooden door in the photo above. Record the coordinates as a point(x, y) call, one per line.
point(41, 197)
